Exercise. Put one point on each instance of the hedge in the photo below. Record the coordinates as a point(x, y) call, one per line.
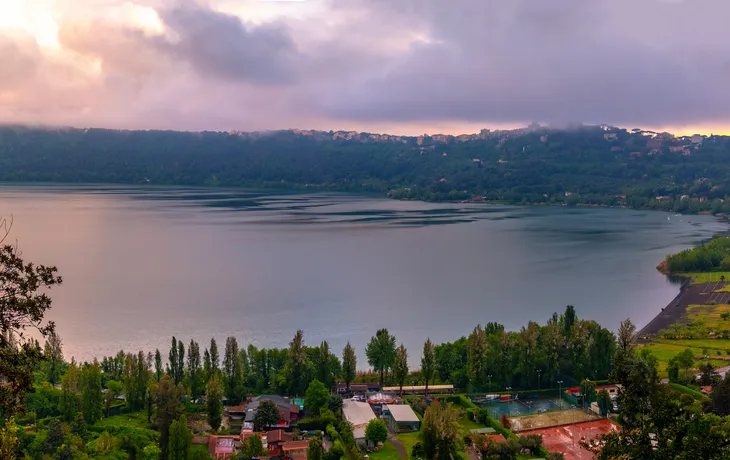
point(689, 391)
point(315, 423)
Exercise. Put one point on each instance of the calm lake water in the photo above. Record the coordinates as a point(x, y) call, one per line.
point(143, 264)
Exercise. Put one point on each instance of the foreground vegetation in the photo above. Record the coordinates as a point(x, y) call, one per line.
point(586, 165)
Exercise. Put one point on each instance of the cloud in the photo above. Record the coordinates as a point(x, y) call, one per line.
point(359, 63)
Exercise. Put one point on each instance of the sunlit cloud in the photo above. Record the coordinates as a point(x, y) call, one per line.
point(398, 65)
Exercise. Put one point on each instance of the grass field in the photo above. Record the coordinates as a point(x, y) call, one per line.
point(387, 452)
point(711, 315)
point(467, 425)
point(665, 350)
point(131, 420)
point(709, 277)
point(408, 440)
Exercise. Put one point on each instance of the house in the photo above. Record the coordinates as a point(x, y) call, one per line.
point(610, 136)
point(401, 417)
point(222, 446)
point(696, 139)
point(676, 148)
point(358, 414)
point(295, 450)
point(276, 440)
point(288, 410)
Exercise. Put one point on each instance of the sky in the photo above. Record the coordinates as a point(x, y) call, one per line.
point(397, 66)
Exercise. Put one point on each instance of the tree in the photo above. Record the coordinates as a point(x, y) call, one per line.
point(214, 404)
point(78, 426)
point(315, 398)
point(325, 373)
point(297, 364)
point(207, 366)
point(440, 432)
point(428, 362)
point(195, 376)
point(214, 356)
point(625, 353)
point(232, 369)
point(708, 376)
point(113, 390)
point(91, 394)
point(53, 354)
point(158, 365)
point(477, 357)
point(70, 392)
point(349, 365)
point(381, 352)
point(400, 369)
point(266, 415)
point(180, 439)
point(604, 402)
point(9, 442)
point(315, 451)
point(172, 358)
point(167, 400)
point(22, 308)
point(376, 431)
point(334, 403)
point(180, 368)
point(253, 447)
point(55, 437)
point(686, 359)
point(720, 397)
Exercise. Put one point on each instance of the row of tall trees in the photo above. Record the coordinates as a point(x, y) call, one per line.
point(534, 357)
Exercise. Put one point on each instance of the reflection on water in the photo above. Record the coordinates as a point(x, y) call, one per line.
point(142, 264)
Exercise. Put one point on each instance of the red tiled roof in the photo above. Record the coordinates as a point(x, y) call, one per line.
point(295, 445)
point(278, 436)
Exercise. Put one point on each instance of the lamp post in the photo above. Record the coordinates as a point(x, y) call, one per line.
point(560, 393)
point(490, 382)
point(539, 374)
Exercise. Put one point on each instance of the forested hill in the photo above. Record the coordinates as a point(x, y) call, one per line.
point(585, 165)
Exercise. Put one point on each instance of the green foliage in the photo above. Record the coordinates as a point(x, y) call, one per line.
point(376, 431)
point(9, 440)
point(253, 447)
point(400, 368)
point(604, 402)
point(349, 364)
point(266, 415)
point(214, 402)
point(22, 308)
point(167, 400)
point(316, 397)
point(232, 371)
point(714, 255)
point(428, 361)
point(317, 423)
point(334, 403)
point(91, 396)
point(381, 352)
point(315, 451)
point(335, 452)
point(440, 432)
point(180, 439)
point(577, 166)
point(151, 452)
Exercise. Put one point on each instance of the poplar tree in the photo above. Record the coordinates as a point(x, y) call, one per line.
point(400, 369)
point(349, 365)
point(428, 361)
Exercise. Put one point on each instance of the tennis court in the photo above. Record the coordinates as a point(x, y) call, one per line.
point(517, 407)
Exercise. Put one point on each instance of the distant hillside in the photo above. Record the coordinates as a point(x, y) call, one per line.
point(591, 165)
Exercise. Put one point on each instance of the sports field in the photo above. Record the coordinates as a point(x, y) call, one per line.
point(566, 439)
point(548, 419)
point(517, 407)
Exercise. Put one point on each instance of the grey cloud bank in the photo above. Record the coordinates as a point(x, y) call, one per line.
point(401, 62)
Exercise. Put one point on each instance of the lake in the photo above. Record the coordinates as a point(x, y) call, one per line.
point(143, 264)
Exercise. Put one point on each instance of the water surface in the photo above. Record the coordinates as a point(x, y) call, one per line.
point(142, 264)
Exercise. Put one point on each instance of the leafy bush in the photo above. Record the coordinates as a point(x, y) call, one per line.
point(376, 431)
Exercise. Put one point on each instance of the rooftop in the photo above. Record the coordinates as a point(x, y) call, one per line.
point(357, 413)
point(295, 445)
point(401, 413)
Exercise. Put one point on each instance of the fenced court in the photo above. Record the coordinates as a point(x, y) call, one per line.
point(550, 419)
point(566, 439)
point(518, 407)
